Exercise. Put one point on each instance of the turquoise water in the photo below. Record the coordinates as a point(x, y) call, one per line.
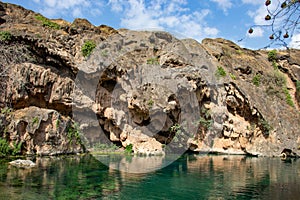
point(189, 177)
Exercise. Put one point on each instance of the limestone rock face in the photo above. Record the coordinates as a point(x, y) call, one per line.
point(148, 89)
point(42, 132)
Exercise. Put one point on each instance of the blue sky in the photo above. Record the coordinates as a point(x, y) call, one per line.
point(198, 19)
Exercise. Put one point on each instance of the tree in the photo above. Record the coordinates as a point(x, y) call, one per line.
point(283, 18)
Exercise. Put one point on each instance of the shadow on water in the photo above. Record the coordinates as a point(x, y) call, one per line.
point(188, 177)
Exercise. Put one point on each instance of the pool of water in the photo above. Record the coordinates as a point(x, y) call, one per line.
point(188, 177)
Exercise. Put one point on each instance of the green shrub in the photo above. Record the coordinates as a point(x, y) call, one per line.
point(265, 126)
point(298, 86)
point(220, 72)
point(153, 61)
point(105, 147)
point(206, 123)
point(17, 149)
point(150, 103)
point(5, 149)
point(279, 79)
point(5, 36)
point(288, 97)
point(35, 120)
point(46, 22)
point(256, 80)
point(272, 55)
point(6, 110)
point(128, 149)
point(275, 66)
point(73, 133)
point(232, 76)
point(87, 48)
point(176, 127)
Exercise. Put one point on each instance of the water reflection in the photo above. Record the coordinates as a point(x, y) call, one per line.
point(189, 177)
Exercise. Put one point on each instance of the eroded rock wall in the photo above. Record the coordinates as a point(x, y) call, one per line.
point(145, 89)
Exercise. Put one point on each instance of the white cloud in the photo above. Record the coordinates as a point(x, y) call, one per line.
point(52, 8)
point(164, 14)
point(253, 2)
point(223, 4)
point(295, 42)
point(211, 31)
point(116, 5)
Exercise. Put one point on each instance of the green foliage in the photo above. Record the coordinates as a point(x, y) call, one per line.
point(176, 127)
point(6, 110)
point(288, 97)
point(220, 72)
point(239, 51)
point(128, 149)
point(256, 80)
point(150, 103)
point(206, 123)
point(153, 61)
point(57, 123)
point(272, 55)
point(275, 66)
point(17, 148)
point(279, 79)
point(298, 86)
point(105, 147)
point(232, 76)
point(35, 120)
point(5, 36)
point(73, 133)
point(47, 23)
point(5, 149)
point(265, 125)
point(87, 48)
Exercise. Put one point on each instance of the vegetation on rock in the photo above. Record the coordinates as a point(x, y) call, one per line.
point(5, 36)
point(220, 72)
point(87, 48)
point(153, 61)
point(47, 23)
point(256, 80)
point(128, 149)
point(73, 133)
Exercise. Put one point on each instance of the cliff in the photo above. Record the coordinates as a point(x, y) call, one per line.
point(145, 89)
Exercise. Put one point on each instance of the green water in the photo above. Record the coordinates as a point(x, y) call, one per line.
point(189, 177)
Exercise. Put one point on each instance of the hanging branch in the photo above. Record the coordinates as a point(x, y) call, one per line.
point(284, 21)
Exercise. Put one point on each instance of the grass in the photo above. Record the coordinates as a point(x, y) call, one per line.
point(5, 36)
point(298, 86)
point(88, 48)
point(232, 76)
point(288, 97)
point(220, 72)
point(272, 55)
point(105, 147)
point(256, 80)
point(153, 61)
point(47, 23)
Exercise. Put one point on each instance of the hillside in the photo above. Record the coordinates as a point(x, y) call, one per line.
point(60, 95)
